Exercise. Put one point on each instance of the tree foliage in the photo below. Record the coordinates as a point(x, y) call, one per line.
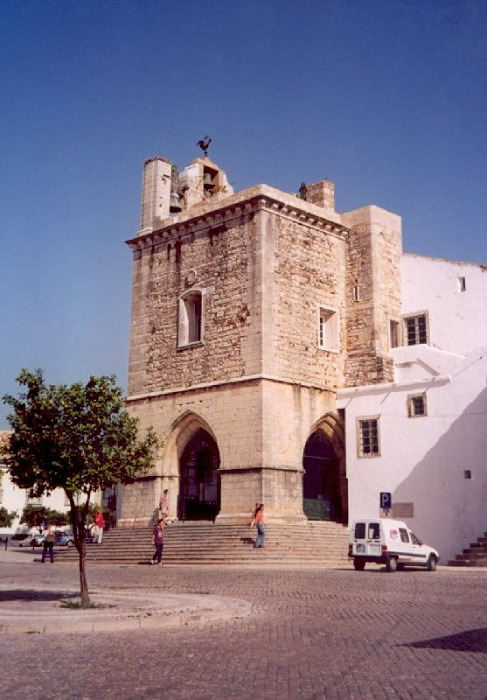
point(6, 517)
point(38, 516)
point(79, 438)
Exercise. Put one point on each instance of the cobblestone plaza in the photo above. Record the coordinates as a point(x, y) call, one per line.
point(312, 633)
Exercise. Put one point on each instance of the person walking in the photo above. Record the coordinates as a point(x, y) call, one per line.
point(259, 523)
point(99, 526)
point(48, 544)
point(158, 541)
point(164, 504)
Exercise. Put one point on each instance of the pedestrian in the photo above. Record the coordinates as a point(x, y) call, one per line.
point(164, 504)
point(259, 522)
point(254, 513)
point(99, 525)
point(48, 544)
point(158, 541)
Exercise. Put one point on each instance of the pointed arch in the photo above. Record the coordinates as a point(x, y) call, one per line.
point(325, 492)
point(192, 458)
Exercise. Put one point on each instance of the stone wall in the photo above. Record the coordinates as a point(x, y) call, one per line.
point(373, 293)
point(257, 382)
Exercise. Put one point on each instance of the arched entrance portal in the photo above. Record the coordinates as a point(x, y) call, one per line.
point(322, 492)
point(199, 486)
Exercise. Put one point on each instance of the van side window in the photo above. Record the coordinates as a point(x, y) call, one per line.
point(414, 539)
point(374, 531)
point(404, 534)
point(359, 531)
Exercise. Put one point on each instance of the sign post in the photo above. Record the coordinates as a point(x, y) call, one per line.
point(385, 502)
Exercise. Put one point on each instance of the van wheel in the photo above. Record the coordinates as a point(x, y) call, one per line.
point(391, 564)
point(431, 563)
point(358, 564)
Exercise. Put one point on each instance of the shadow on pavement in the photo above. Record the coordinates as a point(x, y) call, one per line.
point(31, 594)
point(471, 640)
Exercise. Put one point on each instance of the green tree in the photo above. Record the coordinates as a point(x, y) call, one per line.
point(79, 438)
point(37, 516)
point(6, 518)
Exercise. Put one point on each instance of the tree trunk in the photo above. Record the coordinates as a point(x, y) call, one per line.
point(84, 594)
point(78, 522)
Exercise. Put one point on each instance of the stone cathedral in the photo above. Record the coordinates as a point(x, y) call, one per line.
point(249, 311)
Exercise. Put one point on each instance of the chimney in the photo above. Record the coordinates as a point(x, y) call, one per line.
point(322, 194)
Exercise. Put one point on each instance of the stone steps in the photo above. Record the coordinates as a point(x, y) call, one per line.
point(206, 543)
point(474, 555)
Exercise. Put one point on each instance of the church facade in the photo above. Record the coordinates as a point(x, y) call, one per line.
point(250, 311)
point(257, 316)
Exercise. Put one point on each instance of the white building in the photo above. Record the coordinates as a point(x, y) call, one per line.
point(13, 498)
point(423, 438)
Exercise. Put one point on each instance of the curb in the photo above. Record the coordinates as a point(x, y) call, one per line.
point(24, 611)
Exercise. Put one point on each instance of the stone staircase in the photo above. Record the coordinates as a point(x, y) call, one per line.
point(323, 543)
point(475, 555)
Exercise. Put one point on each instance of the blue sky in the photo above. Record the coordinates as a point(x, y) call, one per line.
point(386, 98)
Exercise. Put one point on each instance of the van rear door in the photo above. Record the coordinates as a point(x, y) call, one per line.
point(367, 539)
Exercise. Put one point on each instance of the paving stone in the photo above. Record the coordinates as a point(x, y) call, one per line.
point(311, 633)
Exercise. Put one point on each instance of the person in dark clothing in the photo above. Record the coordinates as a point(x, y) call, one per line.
point(158, 541)
point(48, 544)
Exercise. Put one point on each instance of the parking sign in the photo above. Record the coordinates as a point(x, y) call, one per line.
point(385, 500)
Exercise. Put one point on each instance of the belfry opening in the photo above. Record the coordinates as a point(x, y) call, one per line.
point(199, 480)
point(324, 486)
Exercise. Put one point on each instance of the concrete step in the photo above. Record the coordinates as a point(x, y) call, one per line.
point(474, 555)
point(206, 543)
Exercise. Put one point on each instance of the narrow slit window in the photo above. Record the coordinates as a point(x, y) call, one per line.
point(394, 334)
point(190, 318)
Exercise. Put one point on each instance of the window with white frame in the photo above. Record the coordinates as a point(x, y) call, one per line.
point(31, 500)
point(328, 335)
point(416, 405)
point(416, 329)
point(190, 318)
point(368, 437)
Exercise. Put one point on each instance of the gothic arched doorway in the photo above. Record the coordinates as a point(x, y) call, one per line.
point(199, 480)
point(322, 493)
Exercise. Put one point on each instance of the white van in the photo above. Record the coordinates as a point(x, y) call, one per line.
point(388, 542)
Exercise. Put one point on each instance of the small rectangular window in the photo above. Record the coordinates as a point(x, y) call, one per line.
point(462, 284)
point(328, 329)
point(416, 405)
point(467, 474)
point(374, 531)
point(359, 531)
point(368, 437)
point(415, 330)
